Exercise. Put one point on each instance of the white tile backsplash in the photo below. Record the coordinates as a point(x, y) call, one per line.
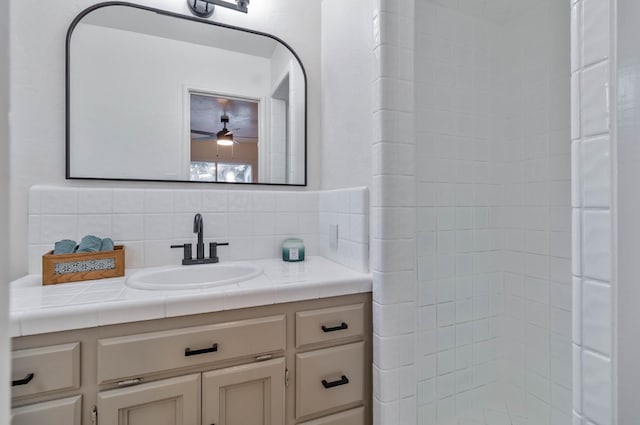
point(95, 201)
point(348, 209)
point(148, 221)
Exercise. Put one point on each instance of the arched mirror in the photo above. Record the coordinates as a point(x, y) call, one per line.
point(153, 95)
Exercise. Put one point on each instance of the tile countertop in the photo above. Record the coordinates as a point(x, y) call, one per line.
point(37, 309)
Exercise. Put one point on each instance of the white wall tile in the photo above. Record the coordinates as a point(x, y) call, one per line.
point(158, 226)
point(576, 242)
point(576, 36)
point(596, 244)
point(188, 201)
point(128, 201)
point(596, 388)
point(97, 225)
point(264, 201)
point(169, 219)
point(58, 201)
point(158, 201)
point(95, 201)
point(239, 201)
point(576, 174)
point(595, 172)
point(595, 29)
point(215, 200)
point(594, 100)
point(58, 227)
point(576, 102)
point(596, 317)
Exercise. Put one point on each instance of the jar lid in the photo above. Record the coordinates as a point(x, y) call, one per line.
point(292, 241)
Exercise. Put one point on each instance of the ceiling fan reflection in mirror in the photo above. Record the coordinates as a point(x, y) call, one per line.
point(223, 137)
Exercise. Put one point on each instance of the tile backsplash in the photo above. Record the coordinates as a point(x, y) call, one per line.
point(344, 227)
point(148, 221)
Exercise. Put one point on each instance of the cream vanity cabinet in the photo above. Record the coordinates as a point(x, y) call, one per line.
point(306, 362)
point(45, 370)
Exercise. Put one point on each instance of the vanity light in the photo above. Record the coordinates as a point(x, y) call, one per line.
point(224, 137)
point(204, 8)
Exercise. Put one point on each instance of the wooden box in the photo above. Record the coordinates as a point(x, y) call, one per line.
point(62, 268)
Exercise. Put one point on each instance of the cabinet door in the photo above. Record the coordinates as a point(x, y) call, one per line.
point(250, 394)
point(57, 412)
point(174, 401)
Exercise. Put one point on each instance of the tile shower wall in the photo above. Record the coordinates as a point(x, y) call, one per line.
point(458, 204)
point(148, 221)
point(393, 242)
point(493, 213)
point(593, 293)
point(536, 217)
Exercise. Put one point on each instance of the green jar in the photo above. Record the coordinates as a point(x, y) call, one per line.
point(293, 250)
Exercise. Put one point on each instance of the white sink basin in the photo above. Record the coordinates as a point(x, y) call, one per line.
point(193, 277)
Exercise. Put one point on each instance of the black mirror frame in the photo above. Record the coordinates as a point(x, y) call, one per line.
point(90, 9)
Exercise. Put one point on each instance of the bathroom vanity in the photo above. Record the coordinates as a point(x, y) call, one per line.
point(298, 352)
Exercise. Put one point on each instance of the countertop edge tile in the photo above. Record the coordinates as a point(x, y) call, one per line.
point(281, 282)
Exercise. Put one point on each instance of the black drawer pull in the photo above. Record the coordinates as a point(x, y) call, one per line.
point(23, 381)
point(342, 327)
point(343, 381)
point(189, 352)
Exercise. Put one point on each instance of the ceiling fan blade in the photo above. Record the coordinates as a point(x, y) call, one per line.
point(206, 133)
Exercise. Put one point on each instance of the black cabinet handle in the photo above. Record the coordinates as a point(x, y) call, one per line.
point(342, 326)
point(189, 352)
point(23, 381)
point(342, 381)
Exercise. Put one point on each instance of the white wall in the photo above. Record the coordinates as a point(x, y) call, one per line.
point(627, 159)
point(37, 91)
point(5, 342)
point(137, 128)
point(347, 120)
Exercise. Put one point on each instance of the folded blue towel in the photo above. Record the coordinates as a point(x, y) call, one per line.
point(90, 243)
point(65, 246)
point(107, 245)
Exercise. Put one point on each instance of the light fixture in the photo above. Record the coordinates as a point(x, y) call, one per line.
point(204, 8)
point(224, 137)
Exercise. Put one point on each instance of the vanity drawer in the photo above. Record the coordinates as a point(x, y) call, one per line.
point(143, 354)
point(45, 369)
point(350, 417)
point(57, 412)
point(329, 378)
point(329, 324)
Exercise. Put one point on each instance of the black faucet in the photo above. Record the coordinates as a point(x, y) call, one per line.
point(197, 228)
point(187, 259)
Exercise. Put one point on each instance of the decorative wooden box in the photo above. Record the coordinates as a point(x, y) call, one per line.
point(62, 268)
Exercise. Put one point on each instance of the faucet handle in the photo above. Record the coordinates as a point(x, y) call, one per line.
point(186, 252)
point(213, 249)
